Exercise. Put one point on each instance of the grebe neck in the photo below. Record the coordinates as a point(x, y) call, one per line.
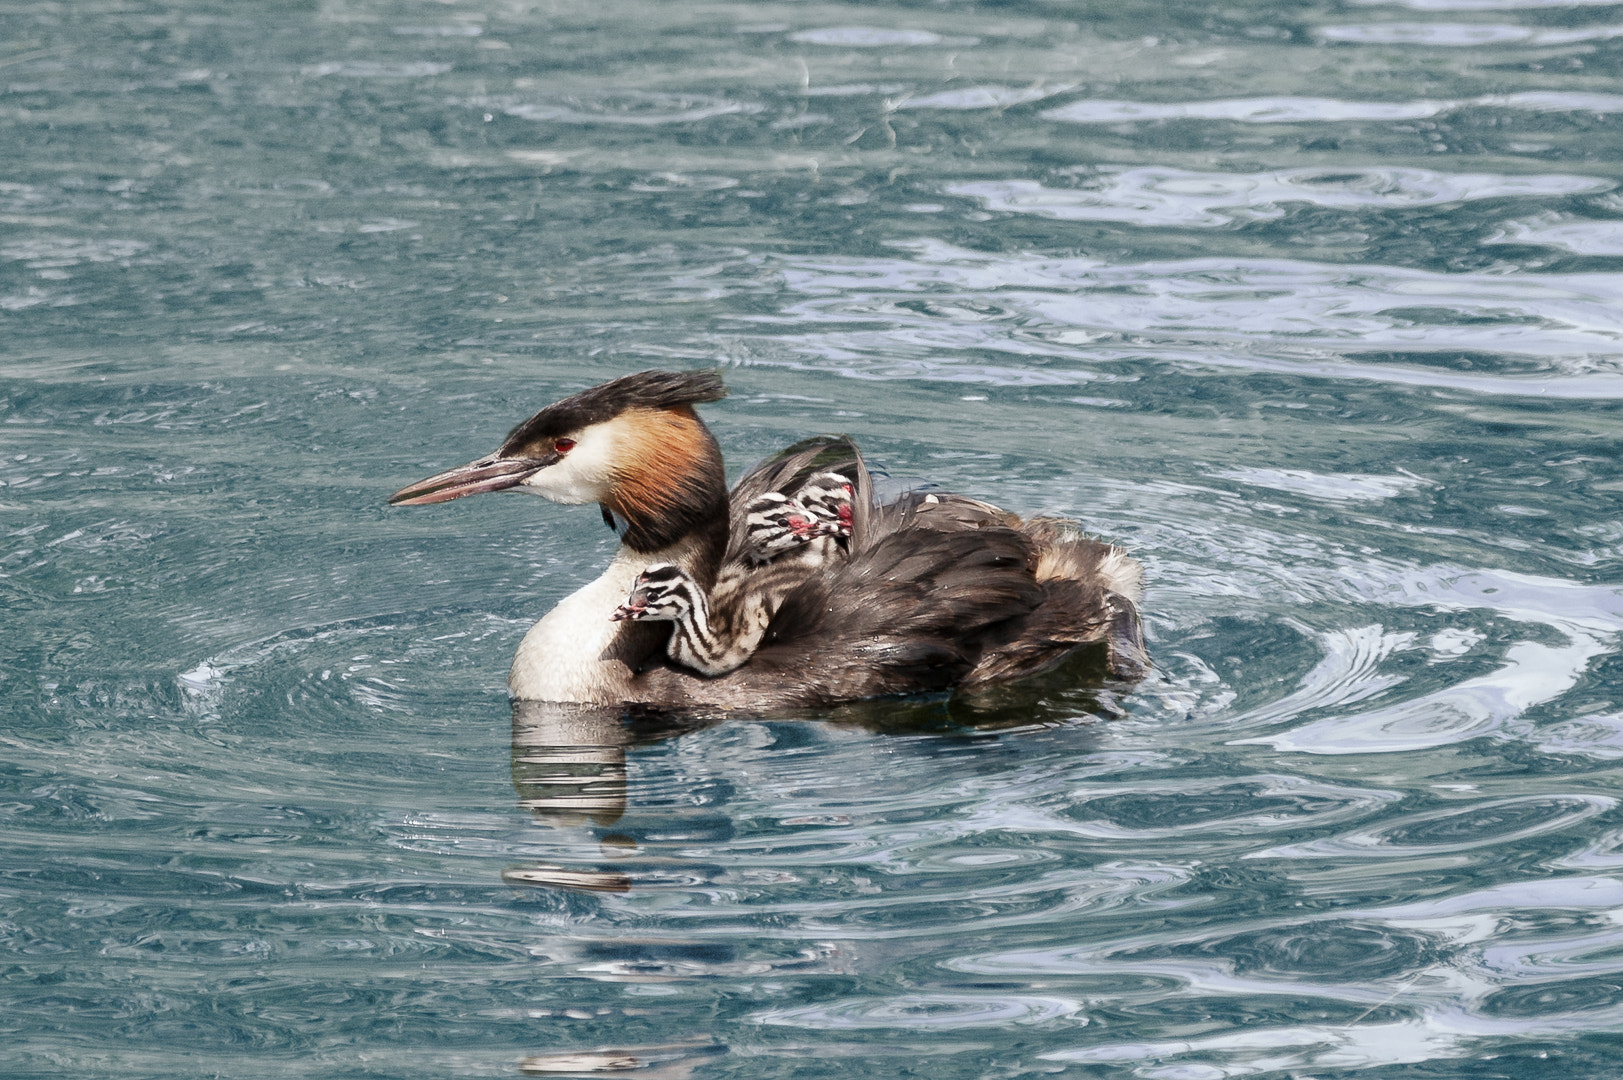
point(668, 487)
point(577, 652)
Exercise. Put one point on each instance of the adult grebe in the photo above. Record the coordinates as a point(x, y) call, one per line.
point(931, 592)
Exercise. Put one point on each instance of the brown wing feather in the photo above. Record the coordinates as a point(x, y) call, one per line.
point(938, 591)
point(907, 615)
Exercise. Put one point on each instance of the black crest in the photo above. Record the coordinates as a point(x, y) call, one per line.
point(644, 390)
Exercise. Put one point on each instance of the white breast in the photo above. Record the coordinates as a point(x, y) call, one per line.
point(561, 658)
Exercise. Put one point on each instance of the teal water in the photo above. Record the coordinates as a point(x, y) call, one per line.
point(1315, 307)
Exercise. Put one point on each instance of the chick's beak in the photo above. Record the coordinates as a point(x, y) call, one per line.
point(474, 478)
point(629, 610)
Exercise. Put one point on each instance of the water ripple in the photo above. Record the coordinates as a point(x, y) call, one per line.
point(984, 97)
point(1463, 35)
point(1267, 314)
point(1331, 487)
point(1489, 5)
point(377, 69)
point(1587, 618)
point(1173, 198)
point(1294, 110)
point(1282, 1049)
point(927, 1011)
point(1459, 828)
point(872, 37)
point(1447, 35)
point(1243, 806)
point(1598, 735)
point(1579, 236)
point(1426, 959)
point(627, 107)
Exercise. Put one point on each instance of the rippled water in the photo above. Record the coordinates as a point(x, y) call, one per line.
point(1315, 307)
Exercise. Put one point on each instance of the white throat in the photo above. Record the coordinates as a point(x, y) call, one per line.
point(583, 475)
point(561, 658)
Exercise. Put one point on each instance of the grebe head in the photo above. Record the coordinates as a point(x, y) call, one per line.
point(775, 524)
point(634, 445)
point(662, 593)
point(827, 498)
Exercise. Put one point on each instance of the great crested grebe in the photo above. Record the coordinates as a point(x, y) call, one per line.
point(925, 593)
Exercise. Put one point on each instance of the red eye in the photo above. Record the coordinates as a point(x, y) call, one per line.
point(563, 446)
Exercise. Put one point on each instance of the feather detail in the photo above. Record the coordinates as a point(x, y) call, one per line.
point(666, 482)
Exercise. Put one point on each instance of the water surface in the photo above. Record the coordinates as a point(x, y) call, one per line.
point(1314, 307)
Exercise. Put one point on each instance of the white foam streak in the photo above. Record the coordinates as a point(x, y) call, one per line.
point(1581, 237)
point(1321, 1046)
point(1488, 5)
point(1165, 197)
point(1292, 110)
point(1448, 35)
point(871, 37)
point(1458, 35)
point(984, 97)
point(1330, 487)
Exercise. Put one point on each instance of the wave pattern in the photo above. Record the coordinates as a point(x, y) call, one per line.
point(1317, 310)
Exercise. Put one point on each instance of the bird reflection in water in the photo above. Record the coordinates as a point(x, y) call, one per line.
point(569, 769)
point(569, 760)
point(672, 1061)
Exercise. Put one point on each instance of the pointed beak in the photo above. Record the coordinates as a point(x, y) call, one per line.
point(842, 527)
point(635, 604)
point(628, 610)
point(803, 528)
point(474, 478)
